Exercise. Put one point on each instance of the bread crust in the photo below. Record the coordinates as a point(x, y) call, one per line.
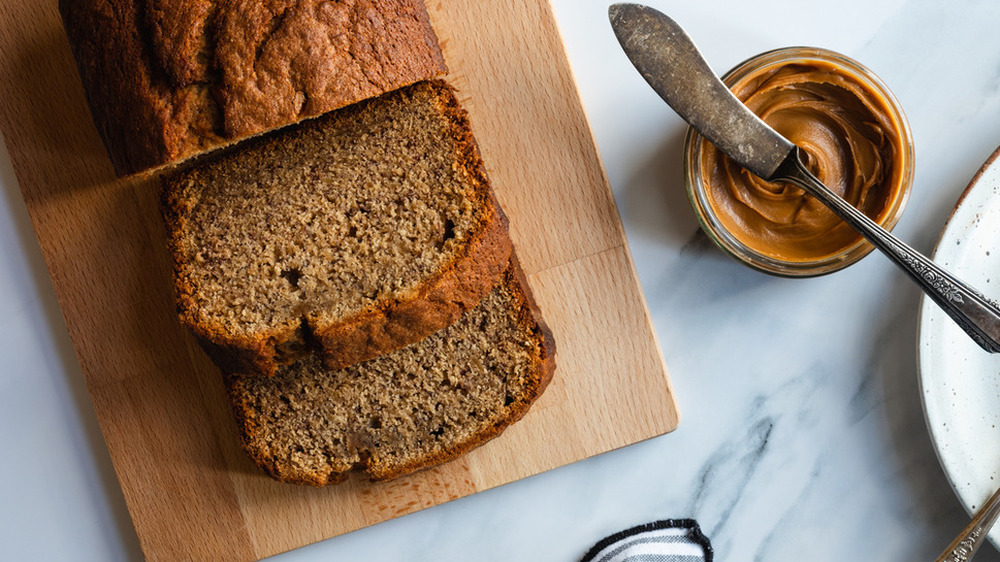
point(169, 79)
point(395, 322)
point(543, 364)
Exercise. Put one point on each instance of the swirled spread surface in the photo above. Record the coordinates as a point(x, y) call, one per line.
point(851, 141)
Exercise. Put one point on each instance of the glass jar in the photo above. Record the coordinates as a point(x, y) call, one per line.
point(770, 252)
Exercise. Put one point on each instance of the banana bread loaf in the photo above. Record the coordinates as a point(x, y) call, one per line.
point(168, 79)
point(413, 408)
point(354, 234)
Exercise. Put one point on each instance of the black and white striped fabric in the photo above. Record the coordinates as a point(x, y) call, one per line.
point(671, 540)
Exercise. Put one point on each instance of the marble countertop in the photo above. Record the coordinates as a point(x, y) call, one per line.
point(802, 432)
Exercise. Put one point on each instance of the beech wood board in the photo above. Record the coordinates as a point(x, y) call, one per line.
point(191, 491)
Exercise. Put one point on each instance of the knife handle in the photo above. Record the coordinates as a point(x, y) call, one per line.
point(972, 536)
point(973, 312)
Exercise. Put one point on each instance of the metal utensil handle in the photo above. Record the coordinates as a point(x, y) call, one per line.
point(973, 312)
point(969, 540)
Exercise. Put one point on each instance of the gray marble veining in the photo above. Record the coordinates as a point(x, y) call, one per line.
point(802, 435)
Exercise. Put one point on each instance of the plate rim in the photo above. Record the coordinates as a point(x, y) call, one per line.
point(925, 305)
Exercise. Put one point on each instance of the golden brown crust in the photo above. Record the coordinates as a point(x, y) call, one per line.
point(169, 79)
point(251, 428)
point(434, 304)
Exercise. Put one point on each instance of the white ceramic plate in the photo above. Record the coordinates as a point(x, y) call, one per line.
point(960, 383)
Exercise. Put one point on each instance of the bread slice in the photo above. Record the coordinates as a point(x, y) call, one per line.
point(168, 79)
point(354, 234)
point(413, 408)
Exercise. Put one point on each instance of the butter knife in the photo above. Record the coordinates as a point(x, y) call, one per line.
point(671, 63)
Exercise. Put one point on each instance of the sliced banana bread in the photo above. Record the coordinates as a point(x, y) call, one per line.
point(354, 234)
point(413, 408)
point(167, 79)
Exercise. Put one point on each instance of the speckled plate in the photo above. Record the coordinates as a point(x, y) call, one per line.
point(960, 383)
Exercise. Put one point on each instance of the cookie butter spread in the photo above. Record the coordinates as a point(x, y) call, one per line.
point(850, 138)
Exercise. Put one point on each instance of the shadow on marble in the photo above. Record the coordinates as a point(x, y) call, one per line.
point(654, 200)
point(110, 493)
point(893, 362)
point(655, 206)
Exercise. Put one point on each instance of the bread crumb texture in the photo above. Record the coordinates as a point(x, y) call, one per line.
point(376, 208)
point(418, 406)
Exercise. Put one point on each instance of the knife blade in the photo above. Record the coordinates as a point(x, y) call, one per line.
point(671, 63)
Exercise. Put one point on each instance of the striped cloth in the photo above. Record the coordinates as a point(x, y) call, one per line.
point(671, 540)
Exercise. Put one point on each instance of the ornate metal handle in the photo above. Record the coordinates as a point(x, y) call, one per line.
point(969, 540)
point(973, 312)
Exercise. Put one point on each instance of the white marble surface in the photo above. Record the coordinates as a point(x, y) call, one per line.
point(802, 435)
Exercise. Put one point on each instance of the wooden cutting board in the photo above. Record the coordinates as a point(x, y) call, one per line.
point(191, 491)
